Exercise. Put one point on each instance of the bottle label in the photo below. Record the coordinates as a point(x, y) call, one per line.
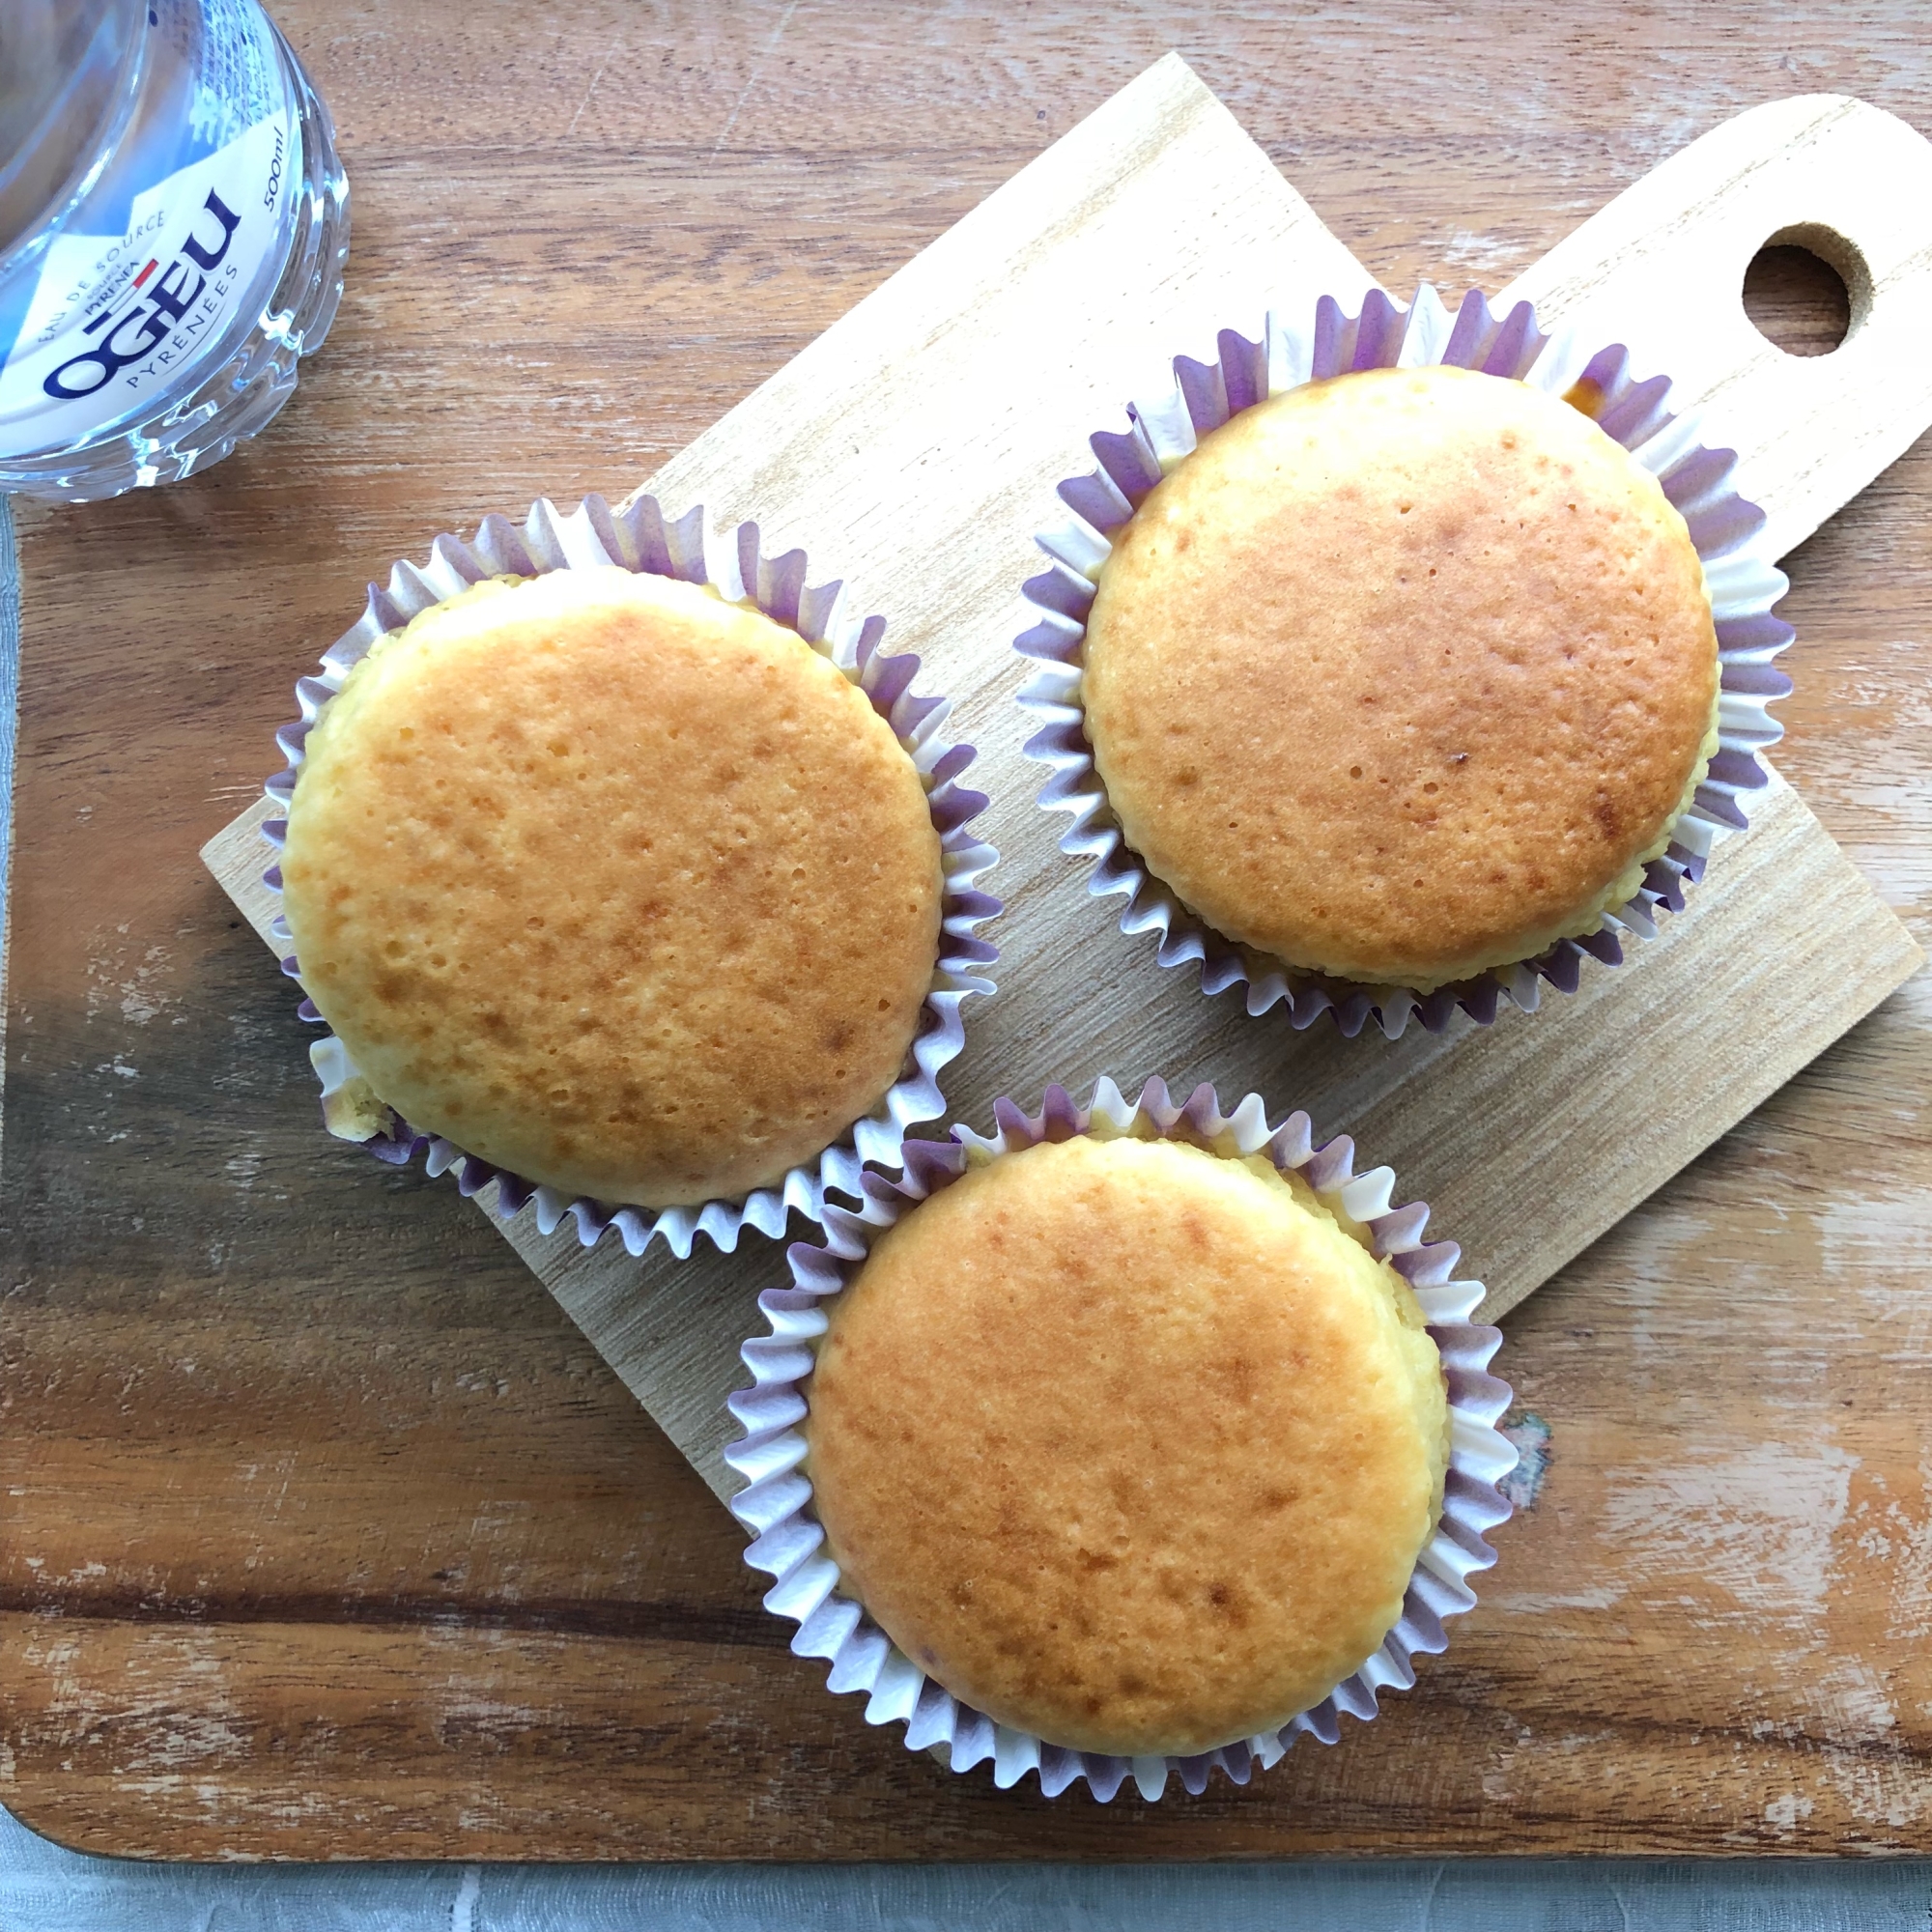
point(115, 323)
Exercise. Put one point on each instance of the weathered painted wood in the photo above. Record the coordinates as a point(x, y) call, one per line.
point(326, 1533)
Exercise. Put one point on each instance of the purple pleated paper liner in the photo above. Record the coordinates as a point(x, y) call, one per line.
point(776, 1502)
point(639, 538)
point(1744, 581)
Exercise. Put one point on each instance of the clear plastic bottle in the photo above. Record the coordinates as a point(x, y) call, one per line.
point(173, 227)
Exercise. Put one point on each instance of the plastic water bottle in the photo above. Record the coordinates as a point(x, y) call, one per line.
point(173, 227)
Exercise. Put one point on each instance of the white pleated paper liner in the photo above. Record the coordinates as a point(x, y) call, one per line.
point(1742, 576)
point(639, 538)
point(776, 1502)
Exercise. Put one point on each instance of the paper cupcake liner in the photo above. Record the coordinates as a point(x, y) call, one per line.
point(1742, 578)
point(641, 539)
point(775, 1503)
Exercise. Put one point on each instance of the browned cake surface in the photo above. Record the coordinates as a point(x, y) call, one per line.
point(1400, 676)
point(621, 887)
point(1128, 1446)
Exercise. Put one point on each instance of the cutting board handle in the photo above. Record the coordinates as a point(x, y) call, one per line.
point(1661, 269)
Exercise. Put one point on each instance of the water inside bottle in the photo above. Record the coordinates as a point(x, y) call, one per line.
point(173, 228)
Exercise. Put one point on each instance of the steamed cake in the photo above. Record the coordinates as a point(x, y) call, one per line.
point(619, 886)
point(1128, 1444)
point(1403, 675)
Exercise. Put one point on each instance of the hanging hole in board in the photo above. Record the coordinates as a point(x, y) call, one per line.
point(1808, 290)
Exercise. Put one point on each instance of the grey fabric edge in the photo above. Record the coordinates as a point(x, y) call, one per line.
point(10, 730)
point(44, 1889)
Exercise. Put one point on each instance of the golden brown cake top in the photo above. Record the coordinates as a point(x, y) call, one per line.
point(1403, 675)
point(1128, 1444)
point(616, 885)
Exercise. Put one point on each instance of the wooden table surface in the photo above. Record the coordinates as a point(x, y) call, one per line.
point(325, 1534)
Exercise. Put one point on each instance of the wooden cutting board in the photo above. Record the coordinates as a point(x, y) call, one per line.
point(915, 445)
point(1530, 1138)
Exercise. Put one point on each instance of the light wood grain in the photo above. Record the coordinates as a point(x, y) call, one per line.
point(914, 444)
point(1853, 185)
point(1523, 1136)
point(327, 1534)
